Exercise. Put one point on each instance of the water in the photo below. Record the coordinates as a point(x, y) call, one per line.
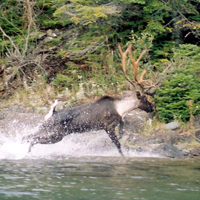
point(100, 178)
point(89, 167)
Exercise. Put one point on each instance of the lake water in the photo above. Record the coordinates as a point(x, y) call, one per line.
point(89, 167)
point(109, 178)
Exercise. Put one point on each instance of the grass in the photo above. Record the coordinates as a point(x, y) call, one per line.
point(153, 126)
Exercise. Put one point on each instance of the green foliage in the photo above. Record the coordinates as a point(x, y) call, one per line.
point(162, 48)
point(142, 41)
point(63, 81)
point(181, 86)
point(134, 1)
point(11, 17)
point(100, 71)
point(45, 10)
point(84, 12)
point(87, 32)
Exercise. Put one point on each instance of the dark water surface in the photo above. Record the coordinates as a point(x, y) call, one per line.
point(97, 178)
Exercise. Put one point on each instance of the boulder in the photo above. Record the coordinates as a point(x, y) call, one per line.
point(172, 125)
point(167, 150)
point(166, 137)
point(134, 121)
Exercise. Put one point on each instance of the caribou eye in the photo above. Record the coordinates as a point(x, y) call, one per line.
point(138, 95)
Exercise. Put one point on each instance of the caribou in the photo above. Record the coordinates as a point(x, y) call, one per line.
point(105, 113)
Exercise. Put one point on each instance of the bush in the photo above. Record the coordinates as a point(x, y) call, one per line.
point(181, 86)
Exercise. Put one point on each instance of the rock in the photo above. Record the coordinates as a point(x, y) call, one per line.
point(2, 116)
point(172, 125)
point(162, 137)
point(167, 150)
point(48, 39)
point(134, 121)
point(196, 122)
point(17, 108)
point(41, 36)
point(195, 152)
point(181, 146)
point(50, 33)
point(197, 135)
point(41, 110)
point(188, 138)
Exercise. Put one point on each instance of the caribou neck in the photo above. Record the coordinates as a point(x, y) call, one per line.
point(125, 105)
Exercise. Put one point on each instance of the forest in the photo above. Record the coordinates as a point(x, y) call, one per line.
point(68, 49)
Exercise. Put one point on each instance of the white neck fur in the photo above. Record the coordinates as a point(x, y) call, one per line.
point(125, 105)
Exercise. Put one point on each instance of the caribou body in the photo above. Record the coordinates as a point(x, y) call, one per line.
point(104, 114)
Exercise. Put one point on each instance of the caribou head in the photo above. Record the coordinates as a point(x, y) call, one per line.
point(139, 83)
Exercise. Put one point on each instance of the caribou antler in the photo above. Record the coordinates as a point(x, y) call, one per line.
point(144, 84)
point(124, 55)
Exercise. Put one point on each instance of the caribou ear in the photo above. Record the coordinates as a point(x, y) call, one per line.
point(138, 95)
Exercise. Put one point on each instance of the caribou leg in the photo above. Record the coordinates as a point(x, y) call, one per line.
point(31, 145)
point(113, 137)
point(121, 129)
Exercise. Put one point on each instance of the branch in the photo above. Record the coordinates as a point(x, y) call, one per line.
point(29, 26)
point(12, 42)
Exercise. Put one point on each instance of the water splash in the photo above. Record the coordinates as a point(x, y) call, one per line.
point(75, 145)
point(11, 148)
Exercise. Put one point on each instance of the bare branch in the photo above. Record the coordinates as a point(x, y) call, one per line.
point(30, 17)
point(12, 42)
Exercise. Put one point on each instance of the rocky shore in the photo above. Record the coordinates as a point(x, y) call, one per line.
point(167, 140)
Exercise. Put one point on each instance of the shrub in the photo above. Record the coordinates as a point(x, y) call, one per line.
point(181, 85)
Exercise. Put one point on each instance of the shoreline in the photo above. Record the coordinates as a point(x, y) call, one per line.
point(167, 143)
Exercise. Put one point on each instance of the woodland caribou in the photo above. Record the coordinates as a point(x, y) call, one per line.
point(103, 114)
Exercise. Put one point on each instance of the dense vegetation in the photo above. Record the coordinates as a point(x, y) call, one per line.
point(179, 96)
point(68, 45)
